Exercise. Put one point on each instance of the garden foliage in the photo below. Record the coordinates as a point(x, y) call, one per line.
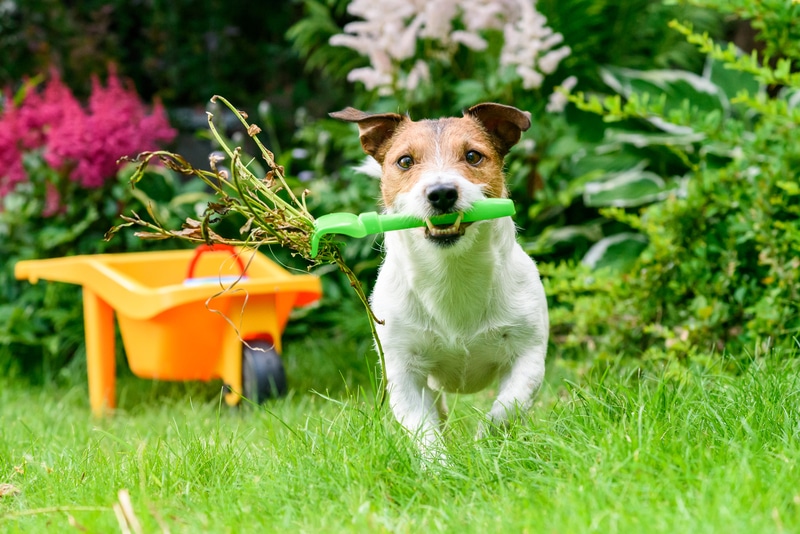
point(181, 51)
point(659, 198)
point(474, 58)
point(720, 268)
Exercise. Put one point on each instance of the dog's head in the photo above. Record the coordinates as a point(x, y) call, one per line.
point(431, 167)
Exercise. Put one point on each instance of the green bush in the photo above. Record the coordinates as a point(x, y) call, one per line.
point(721, 265)
point(678, 192)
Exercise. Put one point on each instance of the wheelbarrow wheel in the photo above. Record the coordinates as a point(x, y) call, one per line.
point(263, 376)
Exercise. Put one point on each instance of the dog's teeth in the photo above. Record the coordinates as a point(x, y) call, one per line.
point(450, 230)
point(457, 228)
point(457, 224)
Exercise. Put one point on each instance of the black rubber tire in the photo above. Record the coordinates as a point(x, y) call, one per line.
point(263, 376)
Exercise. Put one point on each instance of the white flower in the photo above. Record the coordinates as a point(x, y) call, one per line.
point(350, 41)
point(371, 78)
point(531, 79)
point(472, 41)
point(549, 62)
point(406, 45)
point(389, 32)
point(439, 16)
point(419, 73)
point(558, 100)
point(484, 15)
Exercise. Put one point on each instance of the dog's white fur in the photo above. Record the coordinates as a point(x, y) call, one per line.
point(458, 316)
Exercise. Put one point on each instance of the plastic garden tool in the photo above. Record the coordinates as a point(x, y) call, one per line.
point(374, 223)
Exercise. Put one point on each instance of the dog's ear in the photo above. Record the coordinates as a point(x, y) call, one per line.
point(374, 130)
point(504, 123)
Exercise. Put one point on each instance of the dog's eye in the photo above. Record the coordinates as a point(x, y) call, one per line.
point(474, 157)
point(405, 162)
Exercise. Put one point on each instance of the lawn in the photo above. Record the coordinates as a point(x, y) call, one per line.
point(624, 450)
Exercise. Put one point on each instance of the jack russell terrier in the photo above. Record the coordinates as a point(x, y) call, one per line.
point(461, 304)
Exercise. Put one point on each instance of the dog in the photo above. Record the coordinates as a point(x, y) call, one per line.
point(461, 304)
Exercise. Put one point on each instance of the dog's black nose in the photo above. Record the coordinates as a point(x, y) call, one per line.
point(442, 197)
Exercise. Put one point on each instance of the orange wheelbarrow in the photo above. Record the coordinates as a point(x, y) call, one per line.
point(183, 315)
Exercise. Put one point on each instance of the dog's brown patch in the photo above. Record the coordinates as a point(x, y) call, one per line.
point(432, 145)
point(441, 145)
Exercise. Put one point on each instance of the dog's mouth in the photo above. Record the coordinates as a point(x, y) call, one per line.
point(445, 234)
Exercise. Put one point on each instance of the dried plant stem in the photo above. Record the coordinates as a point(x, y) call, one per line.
point(268, 156)
point(356, 285)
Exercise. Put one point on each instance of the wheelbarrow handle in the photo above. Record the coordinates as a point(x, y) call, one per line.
point(202, 249)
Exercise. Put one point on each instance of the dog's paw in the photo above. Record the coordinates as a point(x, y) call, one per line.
point(433, 459)
point(491, 426)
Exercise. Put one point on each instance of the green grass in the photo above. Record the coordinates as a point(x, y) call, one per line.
point(624, 451)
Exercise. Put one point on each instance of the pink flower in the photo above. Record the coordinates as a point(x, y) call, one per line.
point(117, 125)
point(39, 112)
point(83, 144)
point(11, 170)
point(52, 202)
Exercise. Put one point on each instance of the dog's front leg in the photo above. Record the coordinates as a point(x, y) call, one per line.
point(517, 389)
point(414, 406)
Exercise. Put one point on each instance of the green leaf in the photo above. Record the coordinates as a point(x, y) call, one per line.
point(641, 139)
point(730, 81)
point(630, 188)
point(791, 188)
point(617, 252)
point(677, 86)
point(467, 92)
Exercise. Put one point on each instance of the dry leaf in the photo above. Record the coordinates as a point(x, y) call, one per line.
point(126, 509)
point(8, 490)
point(74, 523)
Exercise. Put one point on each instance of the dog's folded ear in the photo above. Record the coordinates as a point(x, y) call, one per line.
point(374, 130)
point(504, 123)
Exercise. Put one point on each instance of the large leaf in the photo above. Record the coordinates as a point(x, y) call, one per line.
point(611, 160)
point(617, 252)
point(641, 139)
point(677, 86)
point(556, 237)
point(626, 189)
point(730, 81)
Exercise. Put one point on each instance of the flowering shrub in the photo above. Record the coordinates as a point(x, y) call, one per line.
point(393, 33)
point(82, 146)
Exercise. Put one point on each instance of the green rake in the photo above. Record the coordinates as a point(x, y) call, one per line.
point(374, 223)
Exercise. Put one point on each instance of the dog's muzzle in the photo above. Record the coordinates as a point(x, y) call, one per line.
point(445, 234)
point(443, 198)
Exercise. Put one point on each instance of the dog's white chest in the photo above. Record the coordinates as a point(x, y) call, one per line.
point(463, 320)
point(468, 363)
